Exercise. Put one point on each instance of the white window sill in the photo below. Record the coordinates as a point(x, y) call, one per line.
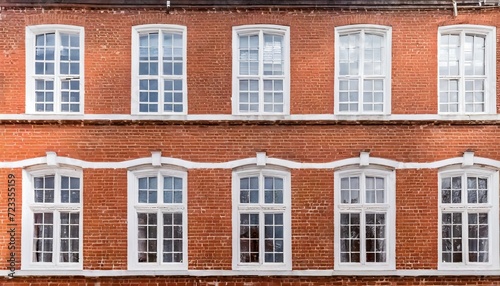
point(228, 117)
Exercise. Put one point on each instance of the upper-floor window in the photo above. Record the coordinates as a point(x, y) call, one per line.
point(157, 219)
point(261, 220)
point(261, 69)
point(159, 69)
point(468, 219)
point(363, 69)
point(54, 69)
point(52, 219)
point(467, 61)
point(364, 219)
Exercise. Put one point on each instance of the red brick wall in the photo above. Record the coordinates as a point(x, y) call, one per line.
point(418, 142)
point(107, 91)
point(416, 219)
point(209, 191)
point(105, 219)
point(108, 58)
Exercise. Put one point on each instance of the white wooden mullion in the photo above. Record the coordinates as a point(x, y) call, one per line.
point(361, 70)
point(159, 237)
point(261, 71)
point(362, 214)
point(57, 72)
point(159, 184)
point(161, 76)
point(362, 236)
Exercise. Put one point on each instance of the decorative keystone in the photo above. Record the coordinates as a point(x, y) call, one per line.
point(364, 158)
point(261, 158)
point(468, 159)
point(52, 159)
point(156, 158)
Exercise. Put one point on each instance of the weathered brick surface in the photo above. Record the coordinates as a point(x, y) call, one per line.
point(222, 143)
point(209, 74)
point(105, 219)
point(416, 219)
point(108, 57)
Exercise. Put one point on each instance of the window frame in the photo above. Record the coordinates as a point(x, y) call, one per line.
point(389, 206)
point(31, 33)
point(134, 207)
point(261, 29)
point(386, 32)
point(490, 60)
point(262, 208)
point(491, 208)
point(30, 207)
point(135, 102)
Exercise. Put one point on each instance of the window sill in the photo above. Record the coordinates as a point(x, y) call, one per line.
point(269, 118)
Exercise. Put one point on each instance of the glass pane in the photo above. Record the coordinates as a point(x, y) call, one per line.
point(148, 191)
point(147, 237)
point(173, 237)
point(43, 237)
point(451, 237)
point(273, 226)
point(350, 190)
point(350, 237)
point(249, 238)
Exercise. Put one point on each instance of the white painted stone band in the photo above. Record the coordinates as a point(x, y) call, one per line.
point(261, 160)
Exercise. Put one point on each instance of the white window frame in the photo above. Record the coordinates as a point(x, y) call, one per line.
point(490, 67)
point(136, 31)
point(384, 31)
point(262, 208)
point(491, 208)
point(29, 207)
point(31, 33)
point(389, 207)
point(260, 29)
point(134, 207)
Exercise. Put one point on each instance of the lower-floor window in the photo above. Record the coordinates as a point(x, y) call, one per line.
point(468, 204)
point(261, 220)
point(371, 238)
point(53, 224)
point(66, 241)
point(250, 233)
point(160, 231)
point(157, 219)
point(364, 219)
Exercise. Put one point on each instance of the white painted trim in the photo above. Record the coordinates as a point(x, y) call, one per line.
point(389, 207)
point(372, 161)
point(226, 273)
point(259, 29)
point(267, 118)
point(134, 207)
point(386, 32)
point(136, 30)
point(490, 65)
point(284, 208)
point(31, 32)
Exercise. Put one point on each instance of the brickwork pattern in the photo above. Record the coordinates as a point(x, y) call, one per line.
point(209, 75)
